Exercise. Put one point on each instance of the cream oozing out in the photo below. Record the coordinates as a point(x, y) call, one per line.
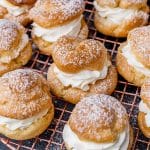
point(52, 34)
point(75, 143)
point(14, 124)
point(132, 60)
point(145, 109)
point(12, 9)
point(117, 15)
point(83, 78)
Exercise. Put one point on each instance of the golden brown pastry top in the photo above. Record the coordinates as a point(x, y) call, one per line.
point(145, 92)
point(135, 4)
point(23, 94)
point(13, 39)
point(10, 33)
point(98, 118)
point(22, 2)
point(139, 39)
point(51, 13)
point(73, 55)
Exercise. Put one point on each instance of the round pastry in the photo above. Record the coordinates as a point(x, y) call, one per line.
point(116, 18)
point(26, 108)
point(133, 58)
point(98, 122)
point(144, 109)
point(80, 67)
point(16, 10)
point(55, 18)
point(15, 48)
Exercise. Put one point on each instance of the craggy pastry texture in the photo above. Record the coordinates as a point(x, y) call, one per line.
point(94, 122)
point(118, 18)
point(15, 48)
point(46, 46)
point(73, 60)
point(133, 58)
point(57, 18)
point(25, 102)
point(53, 13)
point(72, 55)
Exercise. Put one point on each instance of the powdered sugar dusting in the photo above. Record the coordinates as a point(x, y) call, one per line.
point(24, 92)
point(76, 53)
point(8, 34)
point(21, 79)
point(141, 41)
point(13, 40)
point(68, 7)
point(59, 9)
point(97, 111)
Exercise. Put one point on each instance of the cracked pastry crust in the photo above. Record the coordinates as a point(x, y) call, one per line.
point(25, 93)
point(15, 48)
point(72, 55)
point(51, 14)
point(46, 47)
point(99, 119)
point(139, 40)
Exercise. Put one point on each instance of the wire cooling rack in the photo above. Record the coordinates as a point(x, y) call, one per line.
point(127, 93)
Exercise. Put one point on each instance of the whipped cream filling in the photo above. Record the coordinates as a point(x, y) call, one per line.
point(83, 78)
point(9, 56)
point(13, 124)
point(12, 9)
point(145, 109)
point(76, 144)
point(54, 33)
point(116, 15)
point(131, 59)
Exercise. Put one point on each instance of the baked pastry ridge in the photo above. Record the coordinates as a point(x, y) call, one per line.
point(26, 108)
point(133, 58)
point(117, 18)
point(80, 68)
point(55, 18)
point(98, 122)
point(16, 10)
point(15, 48)
point(144, 109)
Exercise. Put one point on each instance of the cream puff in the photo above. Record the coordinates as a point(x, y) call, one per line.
point(98, 122)
point(133, 58)
point(116, 18)
point(144, 109)
point(16, 10)
point(15, 48)
point(26, 108)
point(55, 18)
point(80, 67)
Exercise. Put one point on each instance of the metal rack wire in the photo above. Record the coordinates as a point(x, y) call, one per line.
point(127, 93)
